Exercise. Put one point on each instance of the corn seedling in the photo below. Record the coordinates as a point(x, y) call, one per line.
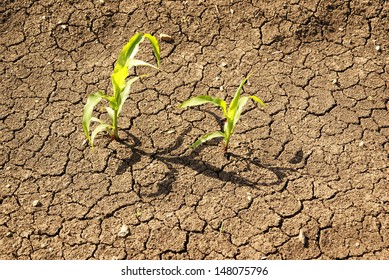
point(121, 88)
point(232, 114)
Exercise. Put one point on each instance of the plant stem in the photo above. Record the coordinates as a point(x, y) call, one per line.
point(115, 126)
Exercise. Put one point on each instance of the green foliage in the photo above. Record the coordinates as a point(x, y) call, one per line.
point(232, 114)
point(121, 88)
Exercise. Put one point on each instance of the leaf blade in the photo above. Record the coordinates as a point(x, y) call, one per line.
point(203, 99)
point(124, 94)
point(129, 51)
point(118, 80)
point(92, 101)
point(137, 62)
point(258, 100)
point(155, 45)
point(234, 103)
point(99, 128)
point(207, 137)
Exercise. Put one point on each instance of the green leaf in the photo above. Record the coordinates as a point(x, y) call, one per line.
point(128, 51)
point(92, 101)
point(228, 129)
point(111, 113)
point(94, 119)
point(99, 128)
point(241, 103)
point(122, 97)
point(155, 45)
point(118, 79)
point(137, 62)
point(253, 97)
point(202, 99)
point(234, 103)
point(207, 137)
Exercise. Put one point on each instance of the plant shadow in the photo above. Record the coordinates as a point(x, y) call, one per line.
point(194, 162)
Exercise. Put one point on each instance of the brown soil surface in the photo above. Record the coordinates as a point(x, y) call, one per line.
point(307, 177)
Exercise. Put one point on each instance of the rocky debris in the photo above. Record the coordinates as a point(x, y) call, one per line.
point(124, 231)
point(36, 203)
point(302, 238)
point(166, 38)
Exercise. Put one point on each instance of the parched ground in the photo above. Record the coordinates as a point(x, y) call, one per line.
point(307, 178)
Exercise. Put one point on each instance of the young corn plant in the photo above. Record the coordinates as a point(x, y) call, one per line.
point(231, 115)
point(121, 88)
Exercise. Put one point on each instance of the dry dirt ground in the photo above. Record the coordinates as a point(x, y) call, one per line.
point(307, 176)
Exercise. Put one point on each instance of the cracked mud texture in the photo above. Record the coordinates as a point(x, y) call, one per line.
point(307, 177)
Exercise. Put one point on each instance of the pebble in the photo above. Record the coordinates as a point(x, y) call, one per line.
point(378, 48)
point(36, 203)
point(302, 238)
point(166, 38)
point(124, 231)
point(223, 64)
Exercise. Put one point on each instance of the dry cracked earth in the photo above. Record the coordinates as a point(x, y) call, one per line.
point(306, 177)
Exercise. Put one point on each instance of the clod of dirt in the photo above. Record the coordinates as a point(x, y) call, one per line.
point(124, 231)
point(36, 203)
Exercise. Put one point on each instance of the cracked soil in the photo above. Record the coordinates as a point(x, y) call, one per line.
point(307, 177)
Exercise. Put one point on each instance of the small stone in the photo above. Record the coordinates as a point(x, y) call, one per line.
point(302, 238)
point(223, 64)
point(361, 144)
point(378, 48)
point(221, 88)
point(124, 231)
point(36, 203)
point(166, 38)
point(63, 26)
point(9, 234)
point(171, 131)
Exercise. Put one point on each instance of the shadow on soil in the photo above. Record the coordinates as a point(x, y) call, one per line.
point(192, 161)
